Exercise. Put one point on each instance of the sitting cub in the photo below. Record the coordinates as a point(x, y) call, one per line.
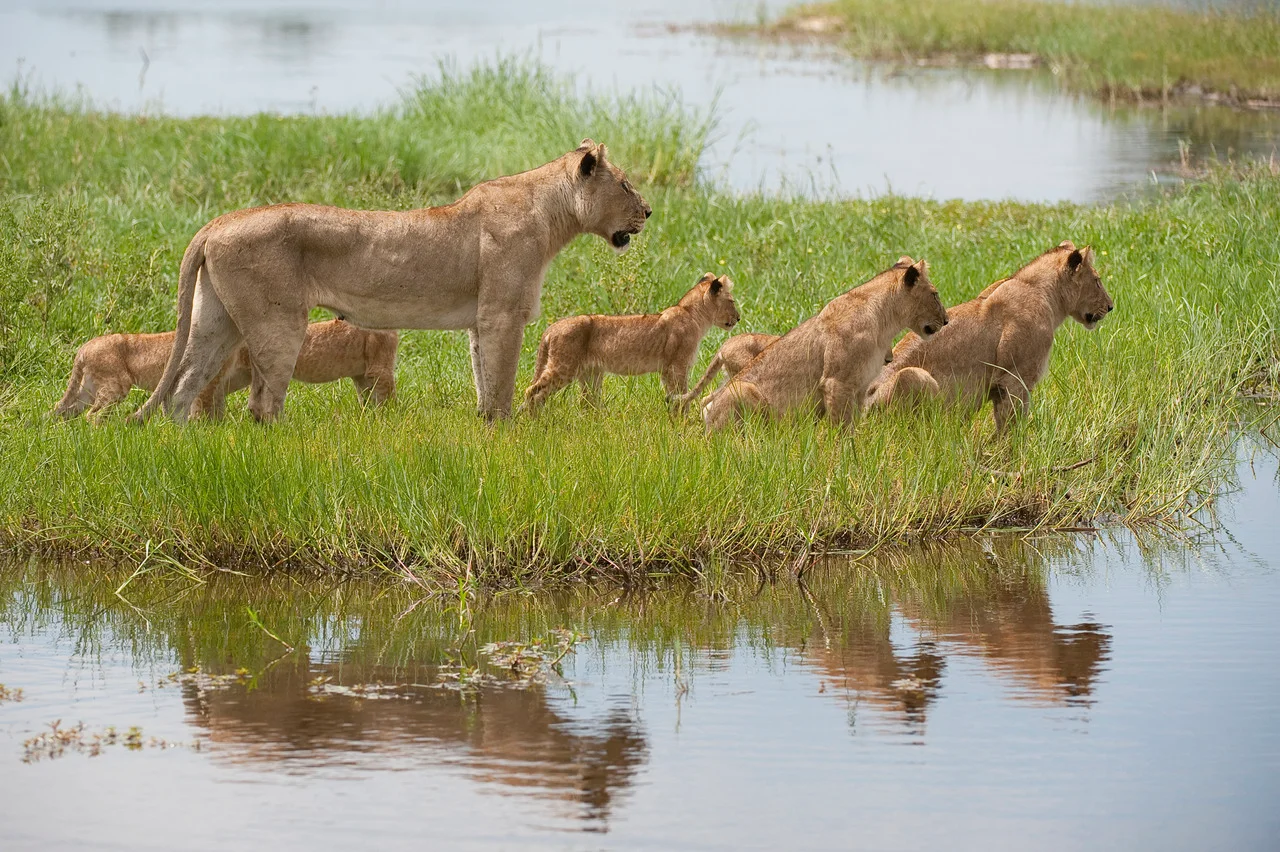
point(734, 354)
point(587, 347)
point(108, 367)
point(827, 362)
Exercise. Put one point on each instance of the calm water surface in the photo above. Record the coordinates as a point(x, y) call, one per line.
point(794, 118)
point(1052, 694)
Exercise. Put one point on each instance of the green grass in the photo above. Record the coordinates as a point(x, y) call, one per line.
point(1121, 50)
point(92, 243)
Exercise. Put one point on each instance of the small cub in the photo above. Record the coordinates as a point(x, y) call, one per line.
point(106, 368)
point(587, 347)
point(827, 362)
point(734, 355)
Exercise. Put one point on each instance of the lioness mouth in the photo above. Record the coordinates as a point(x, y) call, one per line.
point(620, 239)
point(929, 329)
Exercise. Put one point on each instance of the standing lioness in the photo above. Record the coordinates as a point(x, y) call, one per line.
point(586, 347)
point(106, 368)
point(827, 361)
point(997, 345)
point(476, 264)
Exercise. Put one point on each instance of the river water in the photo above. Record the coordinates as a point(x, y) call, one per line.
point(1052, 693)
point(791, 118)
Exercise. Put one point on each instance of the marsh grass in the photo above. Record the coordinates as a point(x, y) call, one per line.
point(1133, 423)
point(1128, 51)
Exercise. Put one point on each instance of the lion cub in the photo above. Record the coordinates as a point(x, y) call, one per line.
point(106, 368)
point(997, 346)
point(733, 356)
point(828, 360)
point(587, 347)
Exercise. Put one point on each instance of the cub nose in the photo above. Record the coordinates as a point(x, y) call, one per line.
point(648, 211)
point(945, 321)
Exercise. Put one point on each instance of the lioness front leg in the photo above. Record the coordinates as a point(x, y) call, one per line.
point(500, 341)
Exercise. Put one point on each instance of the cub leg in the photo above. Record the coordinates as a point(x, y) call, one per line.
point(109, 393)
point(675, 380)
point(1010, 401)
point(708, 377)
point(79, 393)
point(592, 384)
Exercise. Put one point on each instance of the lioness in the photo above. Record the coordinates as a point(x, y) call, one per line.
point(733, 356)
point(997, 346)
point(106, 368)
point(587, 347)
point(476, 264)
point(829, 359)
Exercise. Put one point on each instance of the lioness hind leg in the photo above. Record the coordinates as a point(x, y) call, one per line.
point(274, 357)
point(212, 339)
point(477, 367)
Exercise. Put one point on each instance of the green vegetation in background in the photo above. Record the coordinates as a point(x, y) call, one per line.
point(1120, 50)
point(95, 223)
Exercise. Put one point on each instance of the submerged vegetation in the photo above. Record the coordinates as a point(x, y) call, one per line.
point(1121, 50)
point(1133, 424)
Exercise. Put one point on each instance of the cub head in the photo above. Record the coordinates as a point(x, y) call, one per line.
point(926, 313)
point(1086, 299)
point(607, 204)
point(717, 296)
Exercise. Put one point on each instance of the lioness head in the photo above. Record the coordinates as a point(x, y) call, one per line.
point(1086, 299)
point(608, 205)
point(926, 313)
point(717, 296)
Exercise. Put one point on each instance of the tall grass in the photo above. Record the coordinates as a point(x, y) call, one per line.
point(1127, 50)
point(1148, 402)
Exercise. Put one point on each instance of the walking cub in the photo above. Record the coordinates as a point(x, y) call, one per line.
point(828, 361)
point(106, 368)
point(587, 347)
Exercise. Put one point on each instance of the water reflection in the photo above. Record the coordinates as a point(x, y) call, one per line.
point(801, 118)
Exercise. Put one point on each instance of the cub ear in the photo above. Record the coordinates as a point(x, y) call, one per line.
point(716, 286)
point(905, 260)
point(1067, 244)
point(586, 144)
point(587, 164)
point(923, 266)
point(1076, 258)
point(911, 276)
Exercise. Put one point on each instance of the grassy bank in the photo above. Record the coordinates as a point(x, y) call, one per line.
point(95, 223)
point(1127, 51)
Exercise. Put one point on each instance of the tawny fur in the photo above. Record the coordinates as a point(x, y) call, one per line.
point(732, 356)
point(477, 264)
point(587, 347)
point(997, 345)
point(106, 368)
point(826, 363)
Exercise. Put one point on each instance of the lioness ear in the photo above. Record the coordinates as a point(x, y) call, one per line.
point(911, 276)
point(1067, 244)
point(587, 164)
point(1075, 259)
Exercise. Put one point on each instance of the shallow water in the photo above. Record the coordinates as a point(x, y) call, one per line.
point(1052, 694)
point(801, 118)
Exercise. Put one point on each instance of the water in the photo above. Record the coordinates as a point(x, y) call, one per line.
point(800, 118)
point(1054, 694)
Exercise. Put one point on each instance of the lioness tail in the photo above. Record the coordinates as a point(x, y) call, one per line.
point(192, 260)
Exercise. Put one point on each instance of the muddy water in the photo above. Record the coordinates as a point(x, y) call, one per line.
point(1051, 694)
point(794, 118)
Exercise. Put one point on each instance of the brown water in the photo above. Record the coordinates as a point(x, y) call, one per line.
point(789, 118)
point(1053, 693)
